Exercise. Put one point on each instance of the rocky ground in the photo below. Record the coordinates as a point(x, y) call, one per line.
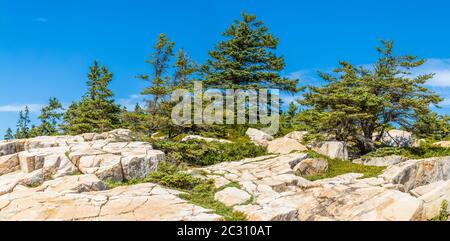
point(63, 178)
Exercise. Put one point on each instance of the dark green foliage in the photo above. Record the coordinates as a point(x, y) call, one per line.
point(358, 102)
point(198, 191)
point(50, 117)
point(387, 151)
point(426, 150)
point(170, 176)
point(200, 153)
point(184, 69)
point(246, 59)
point(159, 82)
point(96, 112)
point(9, 134)
point(23, 124)
point(203, 195)
point(339, 167)
point(432, 125)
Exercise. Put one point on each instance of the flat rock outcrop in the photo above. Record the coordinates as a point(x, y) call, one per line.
point(61, 178)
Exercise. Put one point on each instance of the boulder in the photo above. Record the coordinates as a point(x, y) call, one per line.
point(310, 167)
point(380, 161)
point(332, 149)
point(258, 137)
point(433, 199)
point(9, 163)
point(232, 196)
point(285, 146)
point(397, 138)
point(297, 135)
point(443, 144)
point(11, 147)
point(415, 173)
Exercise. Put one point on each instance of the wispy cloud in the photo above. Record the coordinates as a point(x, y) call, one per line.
point(17, 108)
point(131, 101)
point(41, 20)
point(441, 69)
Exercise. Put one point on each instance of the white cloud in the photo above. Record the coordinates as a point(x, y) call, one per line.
point(441, 69)
point(131, 101)
point(40, 20)
point(17, 108)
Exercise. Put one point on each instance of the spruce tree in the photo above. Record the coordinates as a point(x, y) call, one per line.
point(359, 103)
point(23, 124)
point(184, 69)
point(9, 134)
point(96, 112)
point(50, 117)
point(247, 59)
point(159, 81)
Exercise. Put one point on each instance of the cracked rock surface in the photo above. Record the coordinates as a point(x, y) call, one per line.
point(278, 194)
point(61, 178)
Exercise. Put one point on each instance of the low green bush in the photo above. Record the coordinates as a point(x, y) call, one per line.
point(200, 153)
point(198, 191)
point(443, 214)
point(338, 167)
point(204, 195)
point(426, 151)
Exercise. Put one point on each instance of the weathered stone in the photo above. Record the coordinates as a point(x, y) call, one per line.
point(144, 202)
point(434, 198)
point(397, 138)
point(259, 137)
point(11, 147)
point(297, 135)
point(443, 144)
point(332, 149)
point(285, 146)
point(380, 161)
point(310, 167)
point(73, 184)
point(9, 163)
point(415, 173)
point(232, 196)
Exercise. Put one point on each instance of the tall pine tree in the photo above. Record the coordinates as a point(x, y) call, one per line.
point(159, 81)
point(50, 117)
point(23, 124)
point(184, 69)
point(96, 112)
point(247, 59)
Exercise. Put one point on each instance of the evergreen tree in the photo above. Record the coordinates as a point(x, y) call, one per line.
point(432, 125)
point(9, 134)
point(23, 124)
point(292, 111)
point(184, 69)
point(358, 102)
point(50, 117)
point(247, 59)
point(96, 112)
point(159, 82)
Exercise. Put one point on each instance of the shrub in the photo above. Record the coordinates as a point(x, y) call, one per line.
point(443, 214)
point(200, 153)
point(338, 167)
point(426, 151)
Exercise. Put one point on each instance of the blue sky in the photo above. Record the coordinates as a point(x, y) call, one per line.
point(47, 46)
